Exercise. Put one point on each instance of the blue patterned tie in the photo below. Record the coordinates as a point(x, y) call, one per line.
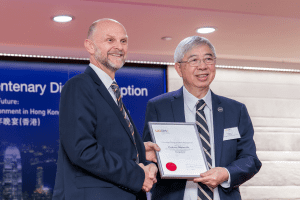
point(204, 192)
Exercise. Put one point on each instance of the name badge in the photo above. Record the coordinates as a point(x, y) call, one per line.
point(231, 133)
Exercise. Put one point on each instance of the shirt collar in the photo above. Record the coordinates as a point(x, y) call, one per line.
point(104, 77)
point(190, 100)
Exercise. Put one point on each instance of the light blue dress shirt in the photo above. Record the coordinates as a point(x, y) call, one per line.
point(106, 80)
point(190, 102)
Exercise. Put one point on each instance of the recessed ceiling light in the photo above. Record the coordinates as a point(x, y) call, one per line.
point(62, 18)
point(167, 38)
point(205, 30)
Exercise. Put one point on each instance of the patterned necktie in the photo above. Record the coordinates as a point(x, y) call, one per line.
point(204, 192)
point(116, 90)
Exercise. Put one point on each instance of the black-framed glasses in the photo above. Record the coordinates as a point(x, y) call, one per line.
point(194, 62)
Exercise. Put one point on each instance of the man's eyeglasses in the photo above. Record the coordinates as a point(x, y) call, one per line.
point(194, 62)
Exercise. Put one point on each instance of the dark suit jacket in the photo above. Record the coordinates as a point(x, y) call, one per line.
point(96, 154)
point(237, 155)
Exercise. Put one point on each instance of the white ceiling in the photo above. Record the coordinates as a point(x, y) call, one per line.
point(258, 31)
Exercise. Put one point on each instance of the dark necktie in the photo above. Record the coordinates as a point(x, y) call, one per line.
point(116, 90)
point(204, 192)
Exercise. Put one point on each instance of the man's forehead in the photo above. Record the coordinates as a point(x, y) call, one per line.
point(110, 28)
point(115, 35)
point(111, 34)
point(200, 50)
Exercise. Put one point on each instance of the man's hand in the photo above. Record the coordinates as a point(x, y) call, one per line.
point(150, 148)
point(150, 176)
point(213, 177)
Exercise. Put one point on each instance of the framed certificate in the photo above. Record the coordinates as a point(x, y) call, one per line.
point(181, 155)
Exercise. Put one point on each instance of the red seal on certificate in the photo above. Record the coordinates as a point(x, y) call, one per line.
point(171, 166)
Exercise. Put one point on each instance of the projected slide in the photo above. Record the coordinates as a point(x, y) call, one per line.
point(29, 112)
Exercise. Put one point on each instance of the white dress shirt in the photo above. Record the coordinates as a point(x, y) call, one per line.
point(190, 102)
point(106, 80)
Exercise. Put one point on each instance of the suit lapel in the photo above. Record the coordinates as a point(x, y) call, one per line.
point(178, 106)
point(107, 97)
point(218, 118)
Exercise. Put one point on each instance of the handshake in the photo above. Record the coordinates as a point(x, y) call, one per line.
point(151, 169)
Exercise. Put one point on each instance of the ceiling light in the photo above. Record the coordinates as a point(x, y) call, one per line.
point(62, 18)
point(167, 38)
point(205, 30)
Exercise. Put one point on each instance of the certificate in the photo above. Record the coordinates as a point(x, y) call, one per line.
point(181, 155)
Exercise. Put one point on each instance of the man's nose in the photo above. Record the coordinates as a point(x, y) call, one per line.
point(201, 65)
point(119, 45)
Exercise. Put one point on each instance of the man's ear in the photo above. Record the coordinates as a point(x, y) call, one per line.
point(178, 69)
point(89, 46)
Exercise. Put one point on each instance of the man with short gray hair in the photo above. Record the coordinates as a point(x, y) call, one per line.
point(231, 160)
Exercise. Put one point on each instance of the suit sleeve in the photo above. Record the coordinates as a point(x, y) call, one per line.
point(246, 164)
point(151, 116)
point(77, 135)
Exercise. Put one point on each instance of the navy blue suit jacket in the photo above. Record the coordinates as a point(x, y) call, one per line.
point(237, 155)
point(96, 158)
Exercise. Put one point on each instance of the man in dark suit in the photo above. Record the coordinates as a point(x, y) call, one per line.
point(101, 155)
point(225, 128)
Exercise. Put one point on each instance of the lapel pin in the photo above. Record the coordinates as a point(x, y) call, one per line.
point(220, 109)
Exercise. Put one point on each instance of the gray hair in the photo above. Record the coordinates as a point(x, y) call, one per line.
point(93, 27)
point(188, 44)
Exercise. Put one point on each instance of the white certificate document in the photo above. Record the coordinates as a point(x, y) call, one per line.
point(181, 155)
